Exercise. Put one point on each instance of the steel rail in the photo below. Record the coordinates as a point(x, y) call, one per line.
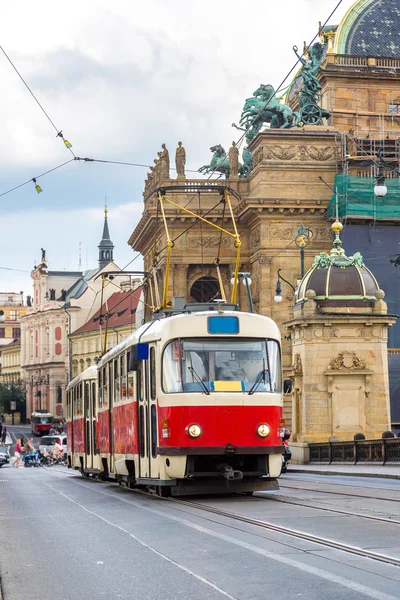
point(302, 489)
point(334, 510)
point(291, 532)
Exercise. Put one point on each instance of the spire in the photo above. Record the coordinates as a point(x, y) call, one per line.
point(106, 246)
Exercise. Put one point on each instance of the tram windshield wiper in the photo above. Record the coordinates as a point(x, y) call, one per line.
point(260, 377)
point(196, 376)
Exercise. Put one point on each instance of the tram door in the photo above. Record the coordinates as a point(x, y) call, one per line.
point(111, 406)
point(90, 423)
point(147, 417)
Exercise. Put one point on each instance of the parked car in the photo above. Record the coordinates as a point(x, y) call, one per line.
point(47, 441)
point(4, 455)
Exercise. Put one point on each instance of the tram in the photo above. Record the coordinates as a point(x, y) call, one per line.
point(191, 402)
point(41, 422)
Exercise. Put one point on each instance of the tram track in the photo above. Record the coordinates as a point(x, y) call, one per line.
point(355, 550)
point(331, 492)
point(335, 510)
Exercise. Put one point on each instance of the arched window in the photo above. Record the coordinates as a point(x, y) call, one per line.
point(205, 289)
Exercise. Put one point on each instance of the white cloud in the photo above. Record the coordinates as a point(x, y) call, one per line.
point(120, 79)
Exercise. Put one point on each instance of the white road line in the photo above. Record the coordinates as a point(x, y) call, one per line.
point(357, 587)
point(173, 562)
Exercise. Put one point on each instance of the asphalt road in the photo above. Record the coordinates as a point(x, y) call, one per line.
point(70, 538)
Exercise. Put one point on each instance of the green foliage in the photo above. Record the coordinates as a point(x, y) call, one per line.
point(12, 392)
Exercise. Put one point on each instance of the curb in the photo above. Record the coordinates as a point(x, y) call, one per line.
point(346, 473)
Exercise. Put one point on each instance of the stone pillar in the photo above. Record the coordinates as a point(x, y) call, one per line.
point(180, 281)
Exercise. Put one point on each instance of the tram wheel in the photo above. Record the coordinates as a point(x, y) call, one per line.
point(249, 493)
point(163, 491)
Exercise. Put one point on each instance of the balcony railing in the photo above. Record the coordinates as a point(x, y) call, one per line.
point(351, 61)
point(361, 451)
point(366, 61)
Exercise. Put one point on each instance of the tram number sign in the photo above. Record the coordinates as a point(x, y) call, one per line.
point(13, 405)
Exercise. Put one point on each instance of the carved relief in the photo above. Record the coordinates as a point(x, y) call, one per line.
point(348, 361)
point(323, 233)
point(297, 366)
point(300, 153)
point(334, 333)
point(281, 233)
point(255, 238)
point(208, 242)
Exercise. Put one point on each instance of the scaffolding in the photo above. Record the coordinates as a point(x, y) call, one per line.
point(356, 198)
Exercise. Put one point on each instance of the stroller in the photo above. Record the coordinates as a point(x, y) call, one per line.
point(32, 459)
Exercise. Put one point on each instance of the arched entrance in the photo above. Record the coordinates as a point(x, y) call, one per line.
point(205, 289)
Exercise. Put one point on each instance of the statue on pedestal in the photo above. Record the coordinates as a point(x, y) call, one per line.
point(180, 160)
point(164, 162)
point(233, 160)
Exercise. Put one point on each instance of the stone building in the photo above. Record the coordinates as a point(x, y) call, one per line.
point(290, 188)
point(109, 325)
point(62, 302)
point(339, 333)
point(13, 309)
point(10, 357)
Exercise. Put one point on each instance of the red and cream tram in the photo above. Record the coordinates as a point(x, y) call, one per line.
point(188, 403)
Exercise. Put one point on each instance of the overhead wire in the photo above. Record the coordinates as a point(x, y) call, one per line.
point(59, 131)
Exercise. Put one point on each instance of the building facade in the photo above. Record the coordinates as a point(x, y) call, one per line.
point(62, 302)
point(12, 305)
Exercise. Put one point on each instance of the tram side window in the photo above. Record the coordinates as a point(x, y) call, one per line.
point(116, 381)
point(122, 369)
point(100, 386)
point(130, 379)
point(105, 386)
point(87, 399)
point(153, 373)
point(93, 400)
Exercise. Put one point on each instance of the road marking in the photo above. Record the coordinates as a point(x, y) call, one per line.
point(357, 587)
point(160, 554)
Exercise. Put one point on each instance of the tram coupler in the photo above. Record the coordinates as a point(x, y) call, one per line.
point(229, 472)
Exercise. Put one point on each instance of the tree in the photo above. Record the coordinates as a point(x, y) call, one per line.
point(13, 392)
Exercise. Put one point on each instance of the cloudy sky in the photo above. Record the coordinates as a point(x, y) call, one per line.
point(120, 79)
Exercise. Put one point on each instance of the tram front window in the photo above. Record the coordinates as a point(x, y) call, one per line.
point(215, 365)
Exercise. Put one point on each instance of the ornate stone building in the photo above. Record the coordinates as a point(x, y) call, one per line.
point(339, 333)
point(289, 190)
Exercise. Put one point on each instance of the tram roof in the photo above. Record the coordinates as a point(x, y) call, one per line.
point(152, 330)
point(89, 373)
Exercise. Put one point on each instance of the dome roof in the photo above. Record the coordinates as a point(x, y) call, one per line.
point(337, 278)
point(370, 28)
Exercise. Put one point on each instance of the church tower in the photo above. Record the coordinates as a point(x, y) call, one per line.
point(106, 246)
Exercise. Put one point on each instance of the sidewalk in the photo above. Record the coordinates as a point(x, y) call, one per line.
point(358, 470)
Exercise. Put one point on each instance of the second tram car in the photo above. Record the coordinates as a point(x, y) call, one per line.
point(41, 422)
point(188, 403)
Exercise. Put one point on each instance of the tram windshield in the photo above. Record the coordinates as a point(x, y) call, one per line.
point(222, 365)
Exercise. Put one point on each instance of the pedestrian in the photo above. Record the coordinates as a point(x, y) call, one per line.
point(17, 453)
point(1, 429)
point(4, 435)
point(29, 447)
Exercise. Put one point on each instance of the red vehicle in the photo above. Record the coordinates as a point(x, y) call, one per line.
point(41, 422)
point(189, 403)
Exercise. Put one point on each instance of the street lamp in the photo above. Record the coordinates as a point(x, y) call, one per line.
point(245, 277)
point(380, 189)
point(278, 290)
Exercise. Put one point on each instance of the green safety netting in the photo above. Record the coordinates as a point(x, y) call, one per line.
point(356, 198)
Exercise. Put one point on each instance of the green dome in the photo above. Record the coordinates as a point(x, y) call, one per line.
point(370, 28)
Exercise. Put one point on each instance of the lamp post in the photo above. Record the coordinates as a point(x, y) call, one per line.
point(245, 277)
point(278, 290)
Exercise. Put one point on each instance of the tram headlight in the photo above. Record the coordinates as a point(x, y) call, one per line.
point(263, 430)
point(194, 431)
